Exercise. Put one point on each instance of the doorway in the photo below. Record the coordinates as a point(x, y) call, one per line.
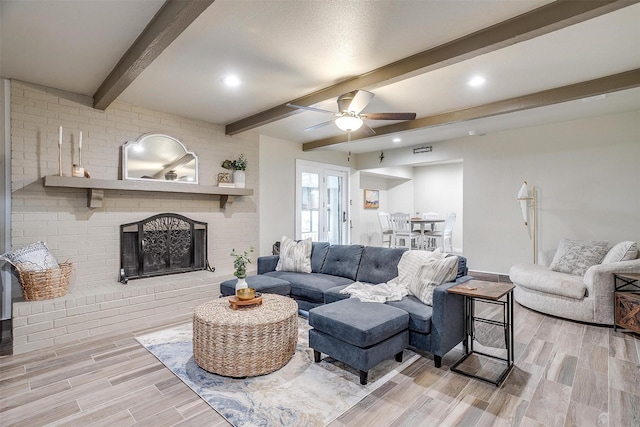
point(322, 195)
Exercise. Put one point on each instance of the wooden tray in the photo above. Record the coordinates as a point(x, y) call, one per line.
point(237, 302)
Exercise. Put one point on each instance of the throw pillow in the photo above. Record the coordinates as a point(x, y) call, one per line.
point(575, 257)
point(295, 256)
point(623, 251)
point(33, 257)
point(432, 274)
point(411, 262)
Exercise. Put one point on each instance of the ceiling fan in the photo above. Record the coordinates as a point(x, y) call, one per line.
point(348, 117)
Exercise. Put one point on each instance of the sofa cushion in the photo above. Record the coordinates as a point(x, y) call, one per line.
point(434, 272)
point(462, 265)
point(362, 324)
point(261, 283)
point(419, 313)
point(623, 251)
point(540, 278)
point(295, 256)
point(334, 294)
point(379, 265)
point(310, 286)
point(343, 261)
point(318, 254)
point(576, 256)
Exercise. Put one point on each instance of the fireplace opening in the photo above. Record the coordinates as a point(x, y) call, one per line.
point(162, 244)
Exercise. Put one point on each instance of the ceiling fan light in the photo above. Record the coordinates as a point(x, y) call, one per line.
point(349, 123)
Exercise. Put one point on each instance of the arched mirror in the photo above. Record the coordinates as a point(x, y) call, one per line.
point(159, 157)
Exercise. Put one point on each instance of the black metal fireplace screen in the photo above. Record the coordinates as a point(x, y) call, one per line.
point(162, 244)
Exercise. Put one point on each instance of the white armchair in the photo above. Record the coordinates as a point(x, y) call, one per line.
point(587, 298)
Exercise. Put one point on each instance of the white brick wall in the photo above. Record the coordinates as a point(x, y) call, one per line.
point(112, 309)
point(89, 238)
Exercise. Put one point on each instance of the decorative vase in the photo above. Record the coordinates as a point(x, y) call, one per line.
point(171, 175)
point(239, 179)
point(241, 284)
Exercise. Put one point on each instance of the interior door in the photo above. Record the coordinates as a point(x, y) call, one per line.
point(322, 202)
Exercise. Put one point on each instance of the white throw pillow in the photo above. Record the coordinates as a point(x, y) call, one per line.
point(411, 262)
point(432, 274)
point(33, 257)
point(575, 256)
point(623, 251)
point(295, 256)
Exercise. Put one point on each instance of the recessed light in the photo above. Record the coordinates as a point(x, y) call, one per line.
point(595, 98)
point(231, 81)
point(477, 81)
point(396, 140)
point(475, 133)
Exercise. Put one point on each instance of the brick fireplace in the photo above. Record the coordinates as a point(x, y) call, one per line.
point(97, 303)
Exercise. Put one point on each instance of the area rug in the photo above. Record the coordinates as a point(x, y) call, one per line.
point(302, 393)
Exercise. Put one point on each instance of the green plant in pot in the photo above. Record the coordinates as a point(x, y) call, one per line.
point(238, 166)
point(240, 262)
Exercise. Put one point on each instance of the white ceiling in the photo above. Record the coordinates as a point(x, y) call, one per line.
point(283, 50)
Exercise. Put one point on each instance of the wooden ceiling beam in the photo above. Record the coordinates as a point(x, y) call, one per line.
point(551, 17)
point(168, 23)
point(603, 85)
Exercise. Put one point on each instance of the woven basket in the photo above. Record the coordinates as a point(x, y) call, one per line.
point(46, 284)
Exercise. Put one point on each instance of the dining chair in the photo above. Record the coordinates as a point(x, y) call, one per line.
point(401, 225)
point(428, 242)
point(446, 235)
point(386, 231)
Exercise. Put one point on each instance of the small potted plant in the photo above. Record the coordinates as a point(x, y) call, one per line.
point(238, 166)
point(240, 262)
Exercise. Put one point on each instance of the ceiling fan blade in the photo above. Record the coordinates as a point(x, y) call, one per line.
point(354, 101)
point(389, 116)
point(318, 110)
point(364, 131)
point(319, 125)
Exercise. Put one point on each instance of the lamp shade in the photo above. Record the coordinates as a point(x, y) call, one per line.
point(349, 123)
point(523, 198)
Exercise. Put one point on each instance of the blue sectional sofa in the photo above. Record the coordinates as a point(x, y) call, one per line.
point(436, 329)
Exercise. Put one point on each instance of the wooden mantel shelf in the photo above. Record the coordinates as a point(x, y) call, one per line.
point(96, 188)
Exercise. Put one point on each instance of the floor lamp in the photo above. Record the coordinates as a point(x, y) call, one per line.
point(528, 200)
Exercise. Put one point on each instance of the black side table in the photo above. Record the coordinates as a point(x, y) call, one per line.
point(490, 292)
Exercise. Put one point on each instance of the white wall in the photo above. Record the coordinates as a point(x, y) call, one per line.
point(439, 188)
point(277, 186)
point(586, 172)
point(366, 230)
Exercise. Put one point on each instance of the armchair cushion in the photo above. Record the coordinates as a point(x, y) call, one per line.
point(575, 256)
point(539, 278)
point(623, 251)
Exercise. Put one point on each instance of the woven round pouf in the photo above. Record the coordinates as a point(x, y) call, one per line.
point(248, 341)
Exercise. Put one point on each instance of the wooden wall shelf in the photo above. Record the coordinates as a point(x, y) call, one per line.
point(95, 188)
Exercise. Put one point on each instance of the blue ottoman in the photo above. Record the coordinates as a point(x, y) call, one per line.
point(360, 334)
point(262, 284)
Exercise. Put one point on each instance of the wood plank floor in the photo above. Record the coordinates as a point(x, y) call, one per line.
point(566, 374)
